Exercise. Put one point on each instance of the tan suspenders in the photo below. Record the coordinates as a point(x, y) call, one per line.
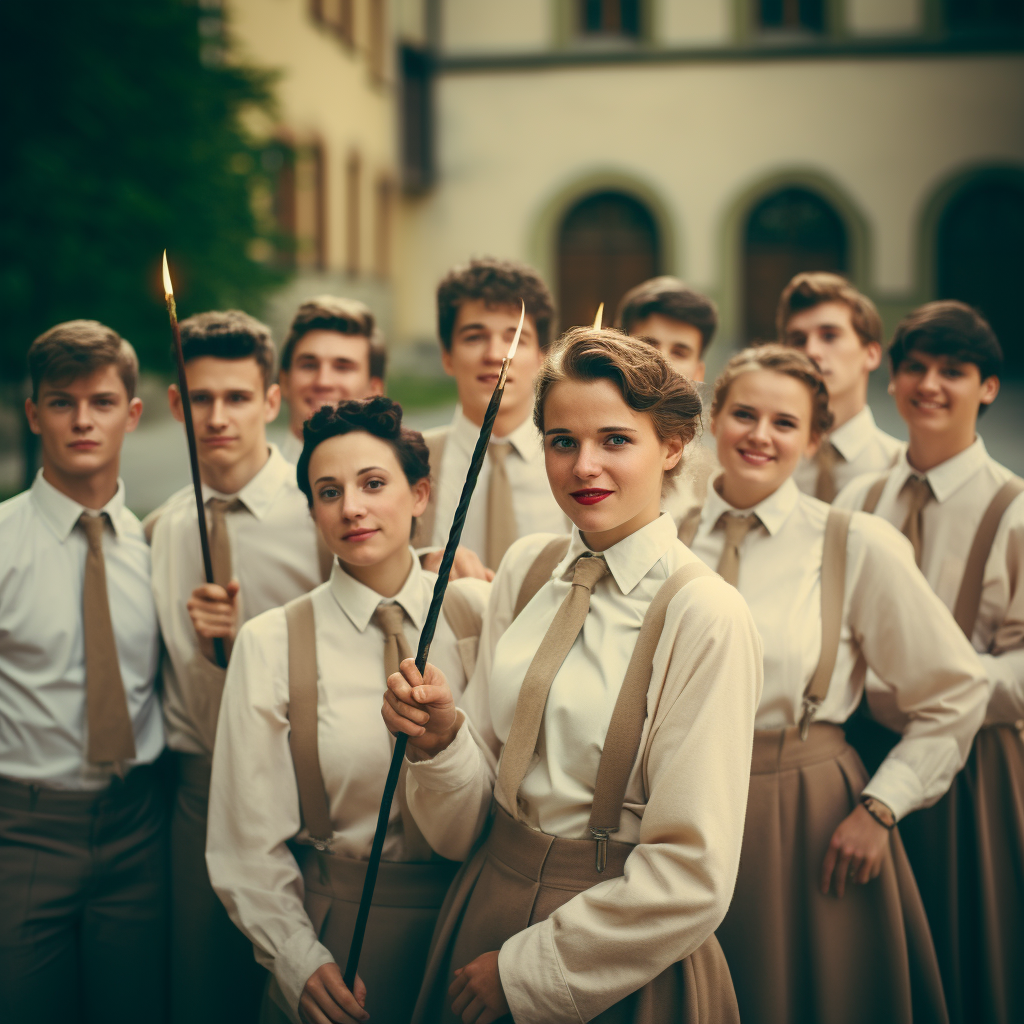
point(300, 621)
point(435, 441)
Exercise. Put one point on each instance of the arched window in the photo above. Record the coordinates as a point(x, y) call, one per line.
point(791, 230)
point(608, 243)
point(981, 258)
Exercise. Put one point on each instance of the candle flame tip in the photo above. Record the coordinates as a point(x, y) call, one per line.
point(599, 318)
point(519, 331)
point(168, 290)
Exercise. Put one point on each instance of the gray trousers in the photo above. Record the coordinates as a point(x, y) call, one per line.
point(214, 975)
point(83, 903)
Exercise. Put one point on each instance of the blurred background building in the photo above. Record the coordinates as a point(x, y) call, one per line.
point(730, 142)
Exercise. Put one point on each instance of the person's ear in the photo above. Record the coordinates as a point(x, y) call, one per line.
point(698, 374)
point(32, 414)
point(376, 387)
point(272, 403)
point(989, 390)
point(892, 386)
point(421, 496)
point(446, 361)
point(673, 453)
point(174, 401)
point(284, 383)
point(873, 352)
point(812, 447)
point(134, 413)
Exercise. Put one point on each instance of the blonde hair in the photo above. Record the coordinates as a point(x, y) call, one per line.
point(781, 359)
point(644, 379)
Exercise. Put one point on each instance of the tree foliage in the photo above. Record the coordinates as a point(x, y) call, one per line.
point(123, 134)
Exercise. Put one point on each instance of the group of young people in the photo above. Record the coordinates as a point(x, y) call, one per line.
point(722, 719)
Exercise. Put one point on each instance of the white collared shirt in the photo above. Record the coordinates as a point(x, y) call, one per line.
point(533, 505)
point(864, 449)
point(685, 800)
point(891, 619)
point(42, 644)
point(963, 487)
point(254, 799)
point(274, 557)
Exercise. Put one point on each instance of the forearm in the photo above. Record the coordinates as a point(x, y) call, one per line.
point(1006, 681)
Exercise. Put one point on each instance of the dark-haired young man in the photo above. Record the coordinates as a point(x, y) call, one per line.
point(265, 553)
point(478, 308)
point(964, 514)
point(840, 329)
point(333, 352)
point(82, 826)
point(680, 323)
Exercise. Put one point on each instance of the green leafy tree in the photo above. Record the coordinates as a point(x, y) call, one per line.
point(123, 134)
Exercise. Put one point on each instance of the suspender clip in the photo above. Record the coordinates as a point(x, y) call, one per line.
point(601, 854)
point(810, 709)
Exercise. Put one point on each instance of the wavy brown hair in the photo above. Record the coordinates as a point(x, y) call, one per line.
point(780, 359)
point(647, 383)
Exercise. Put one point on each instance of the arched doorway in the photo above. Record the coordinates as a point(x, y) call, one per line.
point(789, 231)
point(981, 258)
point(607, 244)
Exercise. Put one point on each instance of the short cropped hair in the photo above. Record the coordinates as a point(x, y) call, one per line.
point(948, 328)
point(496, 283)
point(77, 348)
point(229, 334)
point(669, 297)
point(811, 289)
point(334, 313)
point(379, 416)
point(646, 381)
point(781, 359)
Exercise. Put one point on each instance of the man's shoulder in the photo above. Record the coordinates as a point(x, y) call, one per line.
point(178, 505)
point(14, 510)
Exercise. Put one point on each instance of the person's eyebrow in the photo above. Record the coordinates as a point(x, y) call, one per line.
point(557, 430)
point(616, 430)
point(372, 469)
point(477, 326)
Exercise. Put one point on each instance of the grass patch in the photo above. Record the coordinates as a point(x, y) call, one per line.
point(422, 392)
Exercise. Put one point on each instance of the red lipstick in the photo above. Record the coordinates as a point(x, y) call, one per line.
point(590, 495)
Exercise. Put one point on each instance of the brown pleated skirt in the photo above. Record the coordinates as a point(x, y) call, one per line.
point(406, 901)
point(796, 956)
point(968, 855)
point(518, 877)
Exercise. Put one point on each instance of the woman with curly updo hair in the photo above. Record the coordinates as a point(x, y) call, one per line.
point(826, 925)
point(598, 763)
point(302, 752)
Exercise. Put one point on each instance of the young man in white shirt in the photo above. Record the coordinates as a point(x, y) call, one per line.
point(333, 353)
point(964, 515)
point(680, 323)
point(82, 825)
point(840, 329)
point(264, 552)
point(478, 309)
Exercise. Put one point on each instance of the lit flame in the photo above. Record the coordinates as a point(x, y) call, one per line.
point(168, 290)
point(599, 317)
point(519, 330)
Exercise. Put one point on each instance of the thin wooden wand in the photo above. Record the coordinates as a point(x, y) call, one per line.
point(426, 638)
point(190, 431)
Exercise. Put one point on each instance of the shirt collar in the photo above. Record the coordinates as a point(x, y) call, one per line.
point(854, 435)
point(632, 558)
point(525, 439)
point(359, 602)
point(260, 493)
point(947, 477)
point(773, 511)
point(62, 513)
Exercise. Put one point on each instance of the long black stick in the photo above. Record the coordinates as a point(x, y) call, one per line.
point(193, 456)
point(426, 638)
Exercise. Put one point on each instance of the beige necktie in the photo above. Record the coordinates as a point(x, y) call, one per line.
point(390, 619)
point(921, 493)
point(220, 542)
point(501, 517)
point(826, 459)
point(561, 635)
point(111, 739)
point(736, 528)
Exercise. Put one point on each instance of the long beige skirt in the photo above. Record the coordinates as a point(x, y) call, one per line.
point(796, 956)
point(406, 901)
point(968, 855)
point(519, 877)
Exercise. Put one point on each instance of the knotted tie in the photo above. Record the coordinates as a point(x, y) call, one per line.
point(920, 492)
point(111, 739)
point(561, 635)
point(736, 528)
point(220, 555)
point(390, 619)
point(826, 460)
point(501, 518)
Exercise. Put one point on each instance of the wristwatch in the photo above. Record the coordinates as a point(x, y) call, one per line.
point(882, 814)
